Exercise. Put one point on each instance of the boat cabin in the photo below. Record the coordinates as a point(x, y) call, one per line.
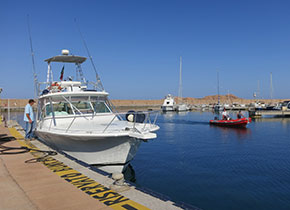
point(72, 97)
point(285, 105)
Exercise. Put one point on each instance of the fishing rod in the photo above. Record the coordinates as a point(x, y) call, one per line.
point(36, 92)
point(36, 84)
point(99, 83)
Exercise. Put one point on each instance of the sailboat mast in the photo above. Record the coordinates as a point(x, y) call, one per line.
point(180, 80)
point(271, 86)
point(218, 87)
point(258, 91)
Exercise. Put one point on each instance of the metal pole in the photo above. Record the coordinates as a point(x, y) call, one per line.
point(0, 101)
point(36, 90)
point(52, 111)
point(258, 91)
point(99, 83)
point(8, 112)
point(180, 81)
point(218, 87)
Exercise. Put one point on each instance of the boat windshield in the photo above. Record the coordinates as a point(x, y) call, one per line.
point(76, 105)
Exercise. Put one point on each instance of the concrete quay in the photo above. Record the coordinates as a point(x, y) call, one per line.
point(30, 181)
point(33, 186)
point(275, 113)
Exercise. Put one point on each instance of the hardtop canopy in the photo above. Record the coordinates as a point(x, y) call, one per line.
point(75, 94)
point(66, 59)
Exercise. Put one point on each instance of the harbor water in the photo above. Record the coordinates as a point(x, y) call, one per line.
point(216, 168)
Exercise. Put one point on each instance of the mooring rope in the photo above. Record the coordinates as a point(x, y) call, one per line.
point(4, 150)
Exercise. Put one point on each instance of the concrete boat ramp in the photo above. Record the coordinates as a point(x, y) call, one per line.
point(35, 180)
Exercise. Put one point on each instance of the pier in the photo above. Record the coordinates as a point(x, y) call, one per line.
point(276, 113)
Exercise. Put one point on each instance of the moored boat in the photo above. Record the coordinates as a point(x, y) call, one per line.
point(236, 123)
point(168, 104)
point(81, 121)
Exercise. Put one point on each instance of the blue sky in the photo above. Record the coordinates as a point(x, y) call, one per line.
point(136, 45)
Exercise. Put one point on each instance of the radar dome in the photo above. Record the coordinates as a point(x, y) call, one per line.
point(65, 52)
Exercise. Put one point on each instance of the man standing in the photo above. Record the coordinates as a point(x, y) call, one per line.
point(29, 119)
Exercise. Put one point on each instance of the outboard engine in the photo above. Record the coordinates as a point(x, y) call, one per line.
point(137, 117)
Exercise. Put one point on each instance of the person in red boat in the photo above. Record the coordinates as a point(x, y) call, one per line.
point(240, 115)
point(224, 114)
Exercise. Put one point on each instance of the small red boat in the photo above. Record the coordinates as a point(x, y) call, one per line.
point(237, 123)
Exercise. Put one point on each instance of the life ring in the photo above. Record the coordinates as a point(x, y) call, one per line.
point(55, 86)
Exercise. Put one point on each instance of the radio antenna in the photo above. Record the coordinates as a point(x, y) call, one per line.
point(99, 83)
point(36, 92)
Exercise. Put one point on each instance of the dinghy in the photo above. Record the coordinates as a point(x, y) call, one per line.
point(237, 123)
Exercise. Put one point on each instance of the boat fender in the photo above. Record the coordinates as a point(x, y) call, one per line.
point(137, 117)
point(130, 116)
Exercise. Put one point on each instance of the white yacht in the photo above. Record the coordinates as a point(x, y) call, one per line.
point(181, 107)
point(168, 104)
point(82, 122)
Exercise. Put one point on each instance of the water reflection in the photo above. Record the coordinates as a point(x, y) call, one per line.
point(239, 133)
point(272, 119)
point(182, 113)
point(285, 122)
point(189, 122)
point(168, 115)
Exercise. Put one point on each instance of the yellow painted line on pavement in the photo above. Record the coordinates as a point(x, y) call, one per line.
point(82, 182)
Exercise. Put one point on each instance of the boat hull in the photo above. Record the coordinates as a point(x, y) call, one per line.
point(238, 123)
point(110, 154)
point(182, 108)
point(167, 108)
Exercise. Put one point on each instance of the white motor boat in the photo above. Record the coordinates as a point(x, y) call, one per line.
point(82, 123)
point(168, 104)
point(182, 108)
point(218, 107)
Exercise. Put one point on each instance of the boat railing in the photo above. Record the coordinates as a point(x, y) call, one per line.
point(147, 121)
point(134, 126)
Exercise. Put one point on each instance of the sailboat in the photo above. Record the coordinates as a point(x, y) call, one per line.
point(181, 107)
point(218, 107)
